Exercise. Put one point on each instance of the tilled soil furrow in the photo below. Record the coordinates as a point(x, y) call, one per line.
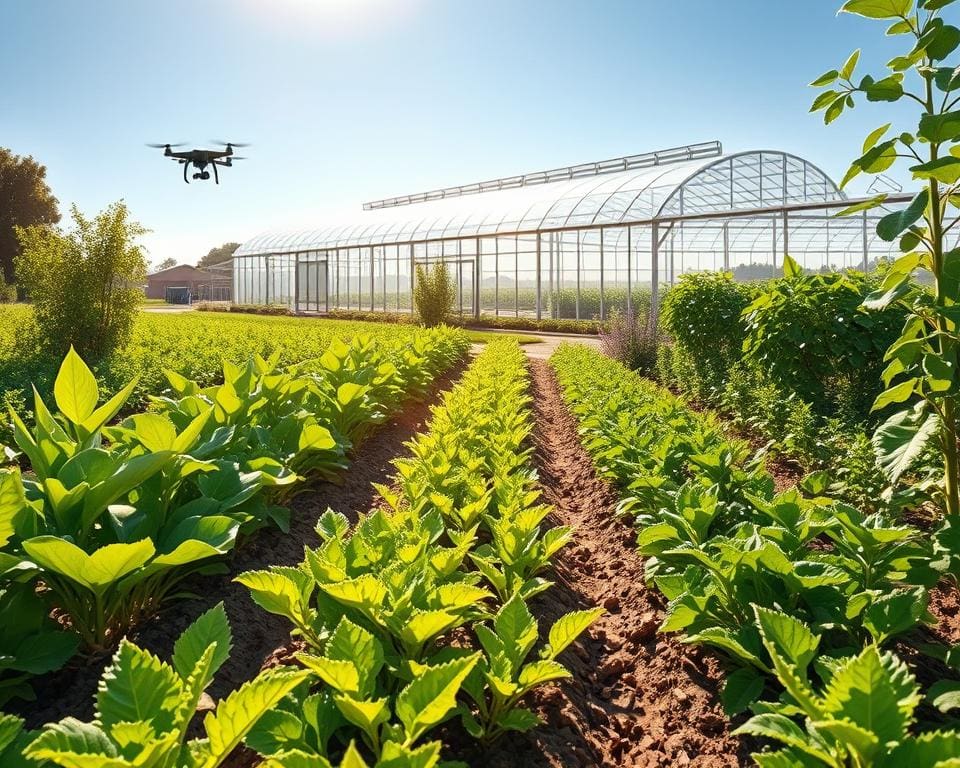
point(636, 698)
point(257, 635)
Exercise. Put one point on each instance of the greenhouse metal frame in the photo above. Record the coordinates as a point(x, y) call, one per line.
point(575, 242)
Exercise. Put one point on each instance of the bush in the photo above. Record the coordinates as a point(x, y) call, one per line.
point(433, 294)
point(632, 341)
point(85, 283)
point(701, 315)
point(810, 335)
point(8, 292)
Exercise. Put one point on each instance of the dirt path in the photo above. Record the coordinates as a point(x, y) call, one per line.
point(636, 698)
point(256, 634)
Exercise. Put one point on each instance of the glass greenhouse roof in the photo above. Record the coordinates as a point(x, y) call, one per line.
point(584, 198)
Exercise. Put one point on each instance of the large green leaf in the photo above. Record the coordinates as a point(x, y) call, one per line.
point(98, 571)
point(568, 628)
point(940, 127)
point(13, 503)
point(900, 440)
point(155, 432)
point(210, 627)
point(944, 169)
point(75, 389)
point(783, 729)
point(791, 637)
point(878, 9)
point(874, 691)
point(517, 629)
point(240, 711)
point(274, 592)
point(138, 687)
point(131, 475)
point(71, 738)
point(108, 410)
point(432, 696)
point(891, 226)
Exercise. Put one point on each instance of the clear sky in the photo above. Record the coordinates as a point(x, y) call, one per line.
point(350, 100)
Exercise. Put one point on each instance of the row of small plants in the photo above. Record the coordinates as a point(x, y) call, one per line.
point(194, 344)
point(418, 614)
point(108, 519)
point(808, 597)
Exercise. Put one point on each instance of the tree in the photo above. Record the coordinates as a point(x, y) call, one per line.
point(167, 263)
point(218, 255)
point(85, 284)
point(433, 294)
point(923, 361)
point(25, 200)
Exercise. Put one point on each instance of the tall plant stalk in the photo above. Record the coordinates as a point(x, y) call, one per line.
point(921, 379)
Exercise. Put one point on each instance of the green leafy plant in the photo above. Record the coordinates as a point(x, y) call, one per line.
point(144, 707)
point(809, 334)
point(861, 715)
point(84, 284)
point(701, 315)
point(922, 363)
point(379, 605)
point(503, 676)
point(433, 293)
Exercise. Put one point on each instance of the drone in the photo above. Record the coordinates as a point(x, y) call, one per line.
point(201, 158)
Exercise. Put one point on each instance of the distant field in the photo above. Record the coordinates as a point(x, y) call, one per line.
point(192, 343)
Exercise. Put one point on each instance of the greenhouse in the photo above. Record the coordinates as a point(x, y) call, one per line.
point(573, 242)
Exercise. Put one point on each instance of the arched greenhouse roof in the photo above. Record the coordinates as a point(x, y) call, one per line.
point(715, 183)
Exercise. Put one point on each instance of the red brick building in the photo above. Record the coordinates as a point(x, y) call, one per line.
point(179, 281)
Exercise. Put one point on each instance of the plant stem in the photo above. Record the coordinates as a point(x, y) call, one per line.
point(948, 427)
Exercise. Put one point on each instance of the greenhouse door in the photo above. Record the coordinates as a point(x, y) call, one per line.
point(312, 286)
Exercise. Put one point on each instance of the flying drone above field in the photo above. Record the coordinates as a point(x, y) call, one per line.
point(201, 158)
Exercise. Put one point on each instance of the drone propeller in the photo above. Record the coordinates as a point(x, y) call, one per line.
point(162, 146)
point(236, 157)
point(229, 143)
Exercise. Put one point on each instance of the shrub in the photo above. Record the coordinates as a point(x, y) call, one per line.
point(810, 335)
point(85, 283)
point(433, 294)
point(632, 341)
point(701, 314)
point(8, 292)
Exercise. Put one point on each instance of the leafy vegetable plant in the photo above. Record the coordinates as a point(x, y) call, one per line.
point(144, 707)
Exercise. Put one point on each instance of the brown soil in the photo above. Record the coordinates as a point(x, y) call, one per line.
point(257, 635)
point(636, 698)
point(945, 606)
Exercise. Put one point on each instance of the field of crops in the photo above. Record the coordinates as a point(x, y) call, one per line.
point(260, 541)
point(812, 604)
point(194, 345)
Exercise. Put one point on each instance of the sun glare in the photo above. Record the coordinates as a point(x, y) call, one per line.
point(335, 18)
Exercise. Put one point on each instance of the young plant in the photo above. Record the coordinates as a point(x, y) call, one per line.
point(861, 715)
point(144, 707)
point(504, 676)
point(923, 361)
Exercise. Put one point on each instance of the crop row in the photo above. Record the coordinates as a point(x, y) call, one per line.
point(418, 613)
point(194, 344)
point(804, 595)
point(111, 518)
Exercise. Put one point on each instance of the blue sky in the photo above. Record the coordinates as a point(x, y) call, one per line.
point(349, 100)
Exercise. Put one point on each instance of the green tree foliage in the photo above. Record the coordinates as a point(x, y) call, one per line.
point(27, 200)
point(218, 255)
point(167, 263)
point(84, 283)
point(809, 334)
point(701, 313)
point(433, 294)
point(922, 373)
